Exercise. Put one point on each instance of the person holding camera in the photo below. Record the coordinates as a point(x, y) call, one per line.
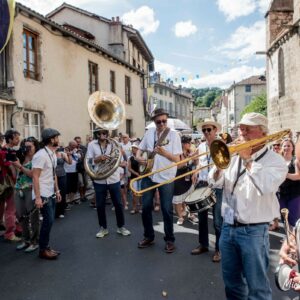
point(71, 171)
point(63, 156)
point(8, 159)
point(45, 188)
point(27, 215)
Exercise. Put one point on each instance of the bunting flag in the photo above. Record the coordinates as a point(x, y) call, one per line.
point(7, 13)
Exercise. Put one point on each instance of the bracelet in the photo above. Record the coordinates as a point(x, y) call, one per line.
point(58, 191)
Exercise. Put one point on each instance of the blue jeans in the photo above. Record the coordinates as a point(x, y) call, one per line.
point(115, 193)
point(48, 213)
point(245, 262)
point(218, 220)
point(166, 196)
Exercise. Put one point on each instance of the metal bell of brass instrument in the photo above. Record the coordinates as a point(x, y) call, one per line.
point(107, 111)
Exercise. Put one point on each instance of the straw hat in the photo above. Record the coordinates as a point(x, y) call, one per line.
point(209, 122)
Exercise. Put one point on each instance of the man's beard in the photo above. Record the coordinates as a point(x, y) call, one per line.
point(55, 144)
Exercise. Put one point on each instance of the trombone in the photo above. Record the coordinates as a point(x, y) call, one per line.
point(220, 153)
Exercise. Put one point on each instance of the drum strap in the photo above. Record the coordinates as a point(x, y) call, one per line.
point(239, 174)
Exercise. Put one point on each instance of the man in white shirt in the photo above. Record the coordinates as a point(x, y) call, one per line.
point(45, 188)
point(166, 154)
point(249, 205)
point(99, 151)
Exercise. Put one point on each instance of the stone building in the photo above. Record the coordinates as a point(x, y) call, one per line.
point(240, 95)
point(175, 100)
point(52, 64)
point(283, 65)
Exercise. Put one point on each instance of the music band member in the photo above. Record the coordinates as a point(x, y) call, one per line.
point(249, 204)
point(45, 188)
point(169, 151)
point(99, 150)
point(209, 129)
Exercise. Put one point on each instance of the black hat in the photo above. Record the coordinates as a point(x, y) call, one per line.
point(158, 112)
point(49, 133)
point(186, 139)
point(99, 129)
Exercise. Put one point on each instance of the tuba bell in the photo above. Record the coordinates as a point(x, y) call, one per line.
point(107, 111)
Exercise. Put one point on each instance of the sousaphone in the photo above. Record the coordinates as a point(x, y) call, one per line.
point(107, 111)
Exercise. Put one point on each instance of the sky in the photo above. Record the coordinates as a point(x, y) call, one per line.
point(195, 43)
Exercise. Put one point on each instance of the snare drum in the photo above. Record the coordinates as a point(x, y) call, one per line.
point(201, 199)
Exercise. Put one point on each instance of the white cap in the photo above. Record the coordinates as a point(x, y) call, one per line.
point(254, 119)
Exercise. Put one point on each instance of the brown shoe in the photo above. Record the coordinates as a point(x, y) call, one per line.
point(145, 243)
point(199, 250)
point(170, 247)
point(47, 254)
point(216, 257)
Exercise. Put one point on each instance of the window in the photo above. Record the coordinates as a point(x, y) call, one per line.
point(281, 81)
point(30, 67)
point(129, 127)
point(32, 124)
point(133, 62)
point(112, 81)
point(247, 99)
point(247, 88)
point(127, 90)
point(93, 77)
point(161, 91)
point(155, 89)
point(161, 104)
point(170, 93)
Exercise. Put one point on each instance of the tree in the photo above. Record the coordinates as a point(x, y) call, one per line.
point(258, 104)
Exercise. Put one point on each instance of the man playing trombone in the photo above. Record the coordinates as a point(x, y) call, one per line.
point(167, 150)
point(249, 205)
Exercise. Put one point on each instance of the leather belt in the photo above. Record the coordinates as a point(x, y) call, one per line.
point(238, 224)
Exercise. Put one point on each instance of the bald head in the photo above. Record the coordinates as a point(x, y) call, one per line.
point(72, 145)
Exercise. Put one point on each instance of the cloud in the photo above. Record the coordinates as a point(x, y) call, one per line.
point(170, 71)
point(142, 19)
point(185, 29)
point(263, 5)
point(245, 41)
point(233, 9)
point(225, 79)
point(45, 6)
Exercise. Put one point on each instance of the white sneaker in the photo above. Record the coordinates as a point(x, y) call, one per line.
point(123, 231)
point(31, 248)
point(102, 233)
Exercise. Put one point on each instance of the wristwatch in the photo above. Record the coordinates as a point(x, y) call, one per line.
point(247, 161)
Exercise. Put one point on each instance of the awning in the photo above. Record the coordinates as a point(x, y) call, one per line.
point(7, 102)
point(173, 124)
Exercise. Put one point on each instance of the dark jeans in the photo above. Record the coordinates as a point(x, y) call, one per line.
point(48, 213)
point(217, 220)
point(166, 196)
point(62, 185)
point(115, 193)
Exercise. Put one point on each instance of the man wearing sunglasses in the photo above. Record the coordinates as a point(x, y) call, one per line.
point(99, 150)
point(209, 129)
point(249, 204)
point(167, 152)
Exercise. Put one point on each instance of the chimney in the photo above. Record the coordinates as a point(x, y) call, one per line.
point(117, 19)
point(113, 19)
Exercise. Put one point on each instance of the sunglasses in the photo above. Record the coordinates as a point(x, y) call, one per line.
point(103, 133)
point(30, 139)
point(276, 145)
point(206, 130)
point(158, 122)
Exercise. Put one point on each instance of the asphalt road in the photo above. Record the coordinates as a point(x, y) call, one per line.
point(113, 268)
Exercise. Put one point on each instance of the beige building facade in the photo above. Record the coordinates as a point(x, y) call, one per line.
point(50, 71)
point(283, 65)
point(175, 100)
point(240, 94)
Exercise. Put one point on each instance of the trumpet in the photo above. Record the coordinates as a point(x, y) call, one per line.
point(221, 156)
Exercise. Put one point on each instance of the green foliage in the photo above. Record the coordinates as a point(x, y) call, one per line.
point(206, 96)
point(258, 104)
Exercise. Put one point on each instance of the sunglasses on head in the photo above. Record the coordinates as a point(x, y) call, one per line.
point(158, 122)
point(30, 139)
point(206, 130)
point(276, 145)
